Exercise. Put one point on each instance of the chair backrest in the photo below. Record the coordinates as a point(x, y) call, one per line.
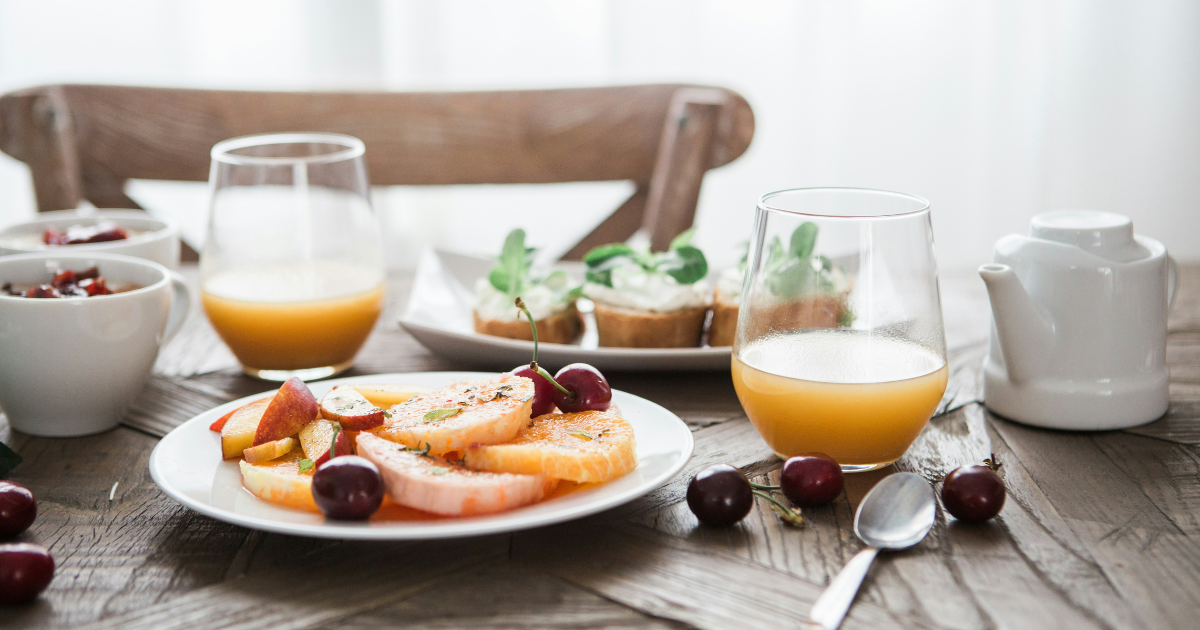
point(85, 141)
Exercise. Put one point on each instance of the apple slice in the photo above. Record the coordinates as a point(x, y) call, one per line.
point(270, 450)
point(238, 433)
point(292, 407)
point(387, 394)
point(316, 437)
point(219, 423)
point(347, 406)
point(280, 481)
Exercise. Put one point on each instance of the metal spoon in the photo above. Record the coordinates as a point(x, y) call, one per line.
point(895, 514)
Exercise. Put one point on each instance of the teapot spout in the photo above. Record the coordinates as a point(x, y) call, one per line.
point(1026, 338)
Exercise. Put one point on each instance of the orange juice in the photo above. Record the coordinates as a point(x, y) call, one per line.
point(859, 398)
point(299, 316)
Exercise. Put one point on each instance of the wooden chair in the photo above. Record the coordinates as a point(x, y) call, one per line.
point(85, 141)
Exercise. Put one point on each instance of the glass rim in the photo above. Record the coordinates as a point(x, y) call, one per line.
point(353, 148)
point(765, 198)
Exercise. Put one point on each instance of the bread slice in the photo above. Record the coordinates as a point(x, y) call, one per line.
point(627, 328)
point(562, 327)
point(724, 321)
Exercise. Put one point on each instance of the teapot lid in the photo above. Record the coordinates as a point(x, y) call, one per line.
point(1105, 234)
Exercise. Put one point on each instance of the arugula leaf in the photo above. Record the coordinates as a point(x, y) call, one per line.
point(584, 435)
point(8, 460)
point(683, 239)
point(803, 240)
point(441, 414)
point(686, 266)
point(509, 274)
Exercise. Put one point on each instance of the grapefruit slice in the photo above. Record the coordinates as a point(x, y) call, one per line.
point(280, 481)
point(585, 447)
point(487, 411)
point(435, 485)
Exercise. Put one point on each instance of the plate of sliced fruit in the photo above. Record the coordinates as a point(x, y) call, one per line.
point(422, 455)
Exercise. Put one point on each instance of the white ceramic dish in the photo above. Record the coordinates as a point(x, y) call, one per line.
point(187, 465)
point(156, 239)
point(439, 314)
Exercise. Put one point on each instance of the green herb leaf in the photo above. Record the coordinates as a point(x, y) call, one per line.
point(803, 240)
point(583, 434)
point(685, 264)
point(602, 253)
point(306, 465)
point(683, 239)
point(438, 470)
point(434, 415)
point(8, 460)
point(512, 268)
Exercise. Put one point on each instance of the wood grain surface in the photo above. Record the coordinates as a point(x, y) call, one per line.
point(1100, 530)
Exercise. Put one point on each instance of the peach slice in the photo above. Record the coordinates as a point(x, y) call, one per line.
point(387, 394)
point(316, 437)
point(270, 450)
point(585, 447)
point(280, 481)
point(292, 407)
point(346, 405)
point(238, 433)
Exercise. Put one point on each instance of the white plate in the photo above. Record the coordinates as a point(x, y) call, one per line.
point(440, 316)
point(187, 465)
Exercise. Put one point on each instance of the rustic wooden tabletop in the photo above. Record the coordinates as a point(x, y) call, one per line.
point(1101, 530)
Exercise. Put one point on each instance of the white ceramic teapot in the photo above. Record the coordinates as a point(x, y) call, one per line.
point(1079, 323)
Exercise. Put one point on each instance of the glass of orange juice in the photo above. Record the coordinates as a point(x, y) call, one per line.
point(840, 347)
point(292, 275)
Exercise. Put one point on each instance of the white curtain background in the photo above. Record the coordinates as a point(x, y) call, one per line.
point(994, 111)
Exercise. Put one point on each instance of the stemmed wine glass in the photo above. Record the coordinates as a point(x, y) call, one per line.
point(840, 347)
point(292, 274)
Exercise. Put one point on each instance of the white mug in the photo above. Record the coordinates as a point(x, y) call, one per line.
point(152, 238)
point(72, 366)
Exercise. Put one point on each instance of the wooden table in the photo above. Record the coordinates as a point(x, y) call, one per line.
point(1101, 530)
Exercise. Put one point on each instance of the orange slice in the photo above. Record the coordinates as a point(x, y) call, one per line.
point(280, 481)
point(487, 411)
point(387, 394)
point(585, 447)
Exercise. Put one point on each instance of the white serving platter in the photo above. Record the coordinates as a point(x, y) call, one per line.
point(187, 465)
point(439, 314)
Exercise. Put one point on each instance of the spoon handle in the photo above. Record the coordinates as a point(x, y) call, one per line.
point(831, 607)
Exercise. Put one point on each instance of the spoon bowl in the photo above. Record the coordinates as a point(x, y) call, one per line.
point(897, 513)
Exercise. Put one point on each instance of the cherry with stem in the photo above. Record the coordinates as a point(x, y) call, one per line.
point(576, 387)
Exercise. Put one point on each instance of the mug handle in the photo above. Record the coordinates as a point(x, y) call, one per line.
point(1172, 281)
point(181, 305)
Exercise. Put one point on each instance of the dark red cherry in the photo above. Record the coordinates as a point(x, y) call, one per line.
point(543, 391)
point(17, 509)
point(811, 479)
point(25, 571)
point(589, 389)
point(348, 488)
point(973, 493)
point(720, 495)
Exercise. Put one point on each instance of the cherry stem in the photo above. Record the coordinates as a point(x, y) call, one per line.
point(788, 514)
point(759, 486)
point(337, 427)
point(533, 365)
